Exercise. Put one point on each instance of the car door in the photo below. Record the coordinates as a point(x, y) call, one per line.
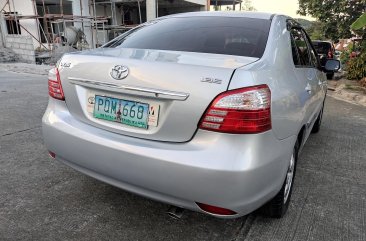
point(306, 74)
point(320, 85)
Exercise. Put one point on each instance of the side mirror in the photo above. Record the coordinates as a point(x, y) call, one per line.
point(332, 65)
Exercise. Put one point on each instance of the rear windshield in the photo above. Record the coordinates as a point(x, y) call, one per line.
point(322, 47)
point(217, 35)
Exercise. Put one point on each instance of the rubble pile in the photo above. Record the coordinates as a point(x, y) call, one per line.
point(8, 56)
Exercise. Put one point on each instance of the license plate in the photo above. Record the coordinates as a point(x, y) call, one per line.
point(123, 111)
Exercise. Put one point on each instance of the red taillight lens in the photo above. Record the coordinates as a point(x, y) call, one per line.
point(241, 111)
point(330, 55)
point(53, 155)
point(54, 85)
point(215, 210)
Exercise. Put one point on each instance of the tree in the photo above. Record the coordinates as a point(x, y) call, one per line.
point(246, 5)
point(316, 31)
point(336, 16)
point(359, 23)
point(313, 28)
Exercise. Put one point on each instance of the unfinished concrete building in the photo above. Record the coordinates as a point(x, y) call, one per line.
point(98, 20)
point(35, 28)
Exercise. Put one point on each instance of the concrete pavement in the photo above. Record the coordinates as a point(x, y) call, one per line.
point(41, 199)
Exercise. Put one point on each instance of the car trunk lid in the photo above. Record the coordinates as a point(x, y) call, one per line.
point(176, 87)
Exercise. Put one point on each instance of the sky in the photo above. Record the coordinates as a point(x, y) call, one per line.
point(287, 7)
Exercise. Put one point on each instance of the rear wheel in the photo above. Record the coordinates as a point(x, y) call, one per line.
point(277, 207)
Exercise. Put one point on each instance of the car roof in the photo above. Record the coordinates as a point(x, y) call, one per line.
point(258, 15)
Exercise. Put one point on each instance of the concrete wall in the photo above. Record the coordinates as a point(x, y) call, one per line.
point(21, 45)
point(24, 7)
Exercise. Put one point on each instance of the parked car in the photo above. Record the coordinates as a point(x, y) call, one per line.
point(325, 50)
point(205, 111)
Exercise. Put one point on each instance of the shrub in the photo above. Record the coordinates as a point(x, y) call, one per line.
point(363, 82)
point(356, 67)
point(344, 58)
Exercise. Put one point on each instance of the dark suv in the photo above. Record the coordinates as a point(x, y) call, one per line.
point(325, 51)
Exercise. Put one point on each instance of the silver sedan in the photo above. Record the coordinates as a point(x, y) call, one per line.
point(206, 111)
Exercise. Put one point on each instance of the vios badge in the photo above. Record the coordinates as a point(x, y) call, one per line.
point(119, 72)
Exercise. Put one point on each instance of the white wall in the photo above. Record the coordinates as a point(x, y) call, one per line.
point(24, 7)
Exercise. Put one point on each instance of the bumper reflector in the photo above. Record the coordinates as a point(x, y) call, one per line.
point(53, 155)
point(215, 210)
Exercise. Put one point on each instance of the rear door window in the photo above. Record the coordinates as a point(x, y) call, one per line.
point(302, 47)
point(218, 35)
point(312, 52)
point(295, 54)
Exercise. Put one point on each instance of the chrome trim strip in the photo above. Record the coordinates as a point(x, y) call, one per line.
point(157, 93)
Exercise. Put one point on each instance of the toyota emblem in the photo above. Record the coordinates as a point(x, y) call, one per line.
point(119, 72)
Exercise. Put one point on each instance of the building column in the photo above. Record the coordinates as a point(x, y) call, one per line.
point(150, 9)
point(3, 30)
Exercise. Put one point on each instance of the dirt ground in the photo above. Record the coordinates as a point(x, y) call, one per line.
point(347, 90)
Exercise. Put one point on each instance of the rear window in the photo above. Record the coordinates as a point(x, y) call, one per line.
point(322, 47)
point(217, 35)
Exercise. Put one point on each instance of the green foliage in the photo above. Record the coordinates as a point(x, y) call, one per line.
point(306, 24)
point(316, 31)
point(359, 23)
point(344, 58)
point(356, 67)
point(336, 16)
point(313, 28)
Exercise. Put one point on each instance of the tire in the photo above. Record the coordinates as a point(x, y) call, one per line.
point(318, 122)
point(277, 207)
point(330, 76)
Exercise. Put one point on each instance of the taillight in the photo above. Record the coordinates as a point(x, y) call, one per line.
point(330, 55)
point(240, 111)
point(54, 85)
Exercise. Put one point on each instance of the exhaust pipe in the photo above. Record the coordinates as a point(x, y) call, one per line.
point(175, 212)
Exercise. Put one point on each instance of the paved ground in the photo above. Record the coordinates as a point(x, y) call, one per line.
point(41, 199)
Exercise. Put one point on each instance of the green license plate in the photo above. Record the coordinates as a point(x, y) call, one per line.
point(123, 111)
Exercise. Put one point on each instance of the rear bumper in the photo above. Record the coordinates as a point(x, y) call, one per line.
point(236, 172)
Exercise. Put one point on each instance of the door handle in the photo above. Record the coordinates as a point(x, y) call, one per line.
point(308, 88)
